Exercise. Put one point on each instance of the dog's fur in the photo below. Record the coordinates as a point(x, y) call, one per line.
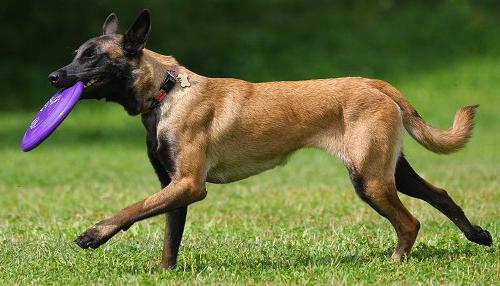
point(222, 130)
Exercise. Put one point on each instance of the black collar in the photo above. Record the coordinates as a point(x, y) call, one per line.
point(165, 87)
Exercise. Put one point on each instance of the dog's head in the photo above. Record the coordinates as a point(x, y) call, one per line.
point(106, 63)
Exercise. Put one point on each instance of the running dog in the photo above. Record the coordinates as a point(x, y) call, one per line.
point(222, 130)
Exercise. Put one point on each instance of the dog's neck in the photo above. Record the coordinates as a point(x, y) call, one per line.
point(149, 75)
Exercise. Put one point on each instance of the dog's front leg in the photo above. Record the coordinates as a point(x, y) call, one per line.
point(174, 220)
point(174, 227)
point(178, 194)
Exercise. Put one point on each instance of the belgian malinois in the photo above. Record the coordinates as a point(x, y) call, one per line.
point(221, 130)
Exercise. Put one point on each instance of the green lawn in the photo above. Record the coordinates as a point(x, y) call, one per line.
point(299, 224)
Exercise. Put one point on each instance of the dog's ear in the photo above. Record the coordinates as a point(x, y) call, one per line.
point(137, 35)
point(110, 25)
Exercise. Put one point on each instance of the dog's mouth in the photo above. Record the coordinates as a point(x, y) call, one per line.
point(93, 83)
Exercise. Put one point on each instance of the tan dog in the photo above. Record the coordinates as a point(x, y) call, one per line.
point(218, 130)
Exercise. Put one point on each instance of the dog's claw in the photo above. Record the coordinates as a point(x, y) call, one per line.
point(94, 237)
point(480, 236)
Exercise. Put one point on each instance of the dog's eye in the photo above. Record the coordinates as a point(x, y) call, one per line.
point(88, 53)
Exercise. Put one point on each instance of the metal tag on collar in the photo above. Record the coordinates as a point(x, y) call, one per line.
point(183, 78)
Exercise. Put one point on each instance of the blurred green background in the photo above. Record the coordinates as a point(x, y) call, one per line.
point(294, 225)
point(257, 40)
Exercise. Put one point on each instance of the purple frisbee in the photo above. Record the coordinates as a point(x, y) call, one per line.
point(51, 115)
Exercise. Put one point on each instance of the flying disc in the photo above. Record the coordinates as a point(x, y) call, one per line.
point(51, 115)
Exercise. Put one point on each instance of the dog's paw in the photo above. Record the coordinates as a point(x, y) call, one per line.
point(96, 235)
point(480, 236)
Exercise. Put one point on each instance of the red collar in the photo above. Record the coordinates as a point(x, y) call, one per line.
point(167, 85)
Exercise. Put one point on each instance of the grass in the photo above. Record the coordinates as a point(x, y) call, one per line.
point(299, 224)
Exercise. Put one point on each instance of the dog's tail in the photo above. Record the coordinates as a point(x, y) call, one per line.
point(434, 139)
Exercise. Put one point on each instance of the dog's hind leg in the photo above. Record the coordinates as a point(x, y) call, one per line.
point(410, 183)
point(380, 193)
point(371, 149)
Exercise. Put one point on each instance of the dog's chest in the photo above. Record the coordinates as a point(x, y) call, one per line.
point(150, 122)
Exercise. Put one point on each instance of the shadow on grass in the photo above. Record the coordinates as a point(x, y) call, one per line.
point(425, 251)
point(422, 253)
point(351, 260)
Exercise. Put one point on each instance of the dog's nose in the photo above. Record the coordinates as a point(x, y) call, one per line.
point(54, 78)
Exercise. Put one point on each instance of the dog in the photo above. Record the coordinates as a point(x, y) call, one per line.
point(221, 130)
